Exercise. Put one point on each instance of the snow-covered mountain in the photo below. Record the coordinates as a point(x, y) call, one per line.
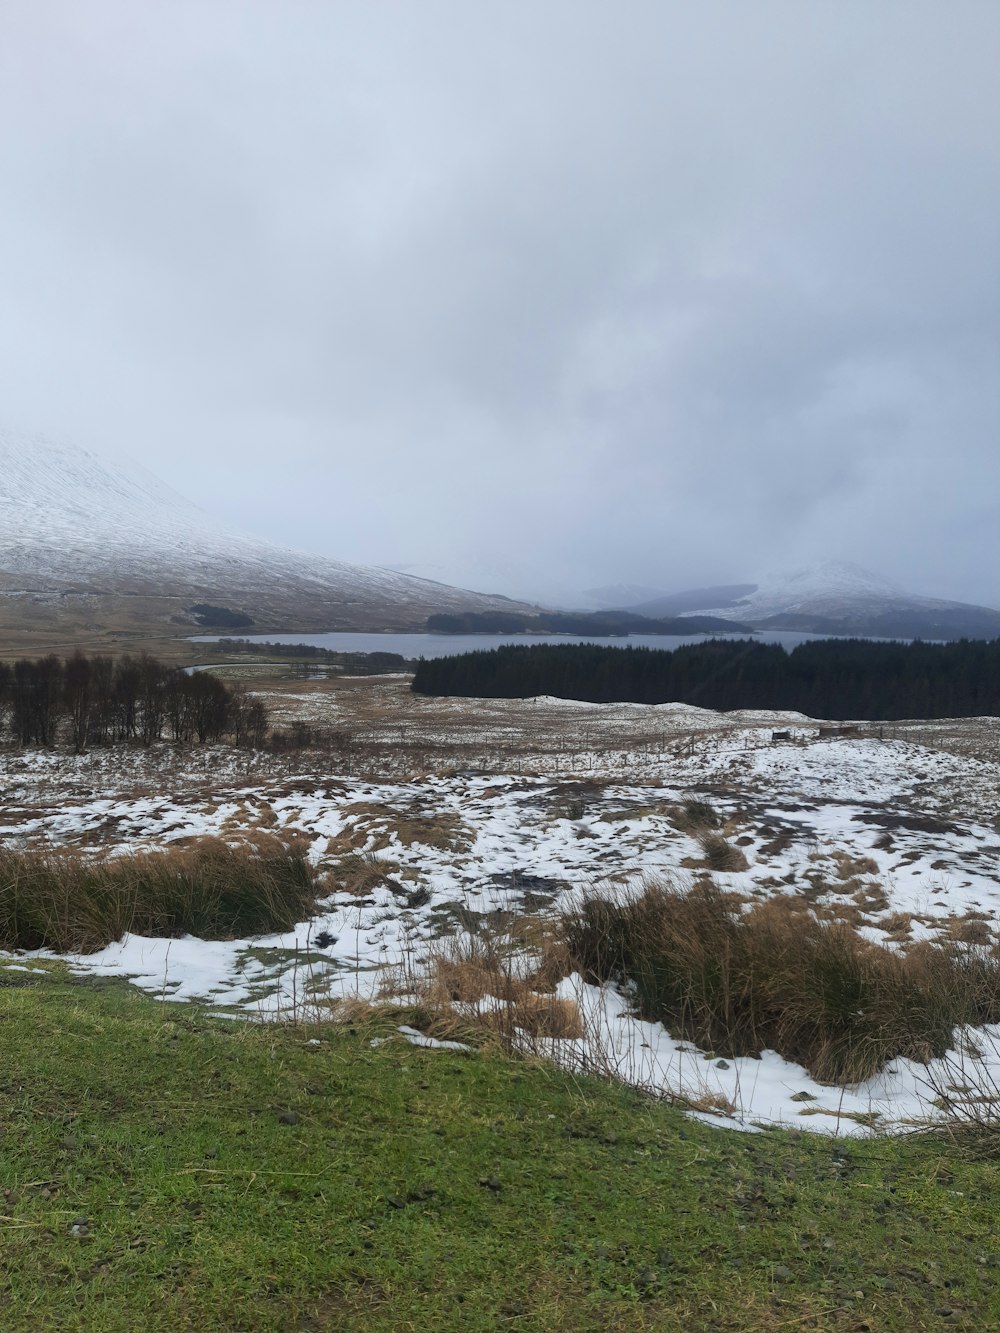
point(692, 599)
point(524, 581)
point(832, 586)
point(834, 597)
point(497, 577)
point(95, 541)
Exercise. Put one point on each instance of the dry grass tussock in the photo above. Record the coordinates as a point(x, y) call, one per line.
point(739, 979)
point(695, 817)
point(720, 854)
point(79, 903)
point(358, 835)
point(359, 873)
point(487, 979)
point(373, 828)
point(852, 867)
point(443, 830)
point(352, 1011)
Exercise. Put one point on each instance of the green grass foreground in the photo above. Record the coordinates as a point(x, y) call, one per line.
point(163, 1169)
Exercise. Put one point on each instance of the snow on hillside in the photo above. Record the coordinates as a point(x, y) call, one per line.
point(839, 590)
point(831, 584)
point(494, 573)
point(67, 515)
point(66, 501)
point(830, 580)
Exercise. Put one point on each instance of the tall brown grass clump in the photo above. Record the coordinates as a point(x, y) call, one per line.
point(485, 979)
point(78, 904)
point(720, 854)
point(775, 977)
point(695, 817)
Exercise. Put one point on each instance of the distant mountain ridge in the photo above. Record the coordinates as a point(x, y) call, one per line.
point(85, 540)
point(835, 598)
point(726, 595)
point(616, 596)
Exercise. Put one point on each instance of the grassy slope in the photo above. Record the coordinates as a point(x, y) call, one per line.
point(431, 1190)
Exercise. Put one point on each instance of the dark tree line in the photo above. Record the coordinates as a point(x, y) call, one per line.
point(86, 701)
point(220, 616)
point(846, 678)
point(310, 655)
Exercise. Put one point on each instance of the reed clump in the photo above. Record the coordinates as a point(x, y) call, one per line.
point(695, 817)
point(720, 854)
point(740, 979)
point(74, 903)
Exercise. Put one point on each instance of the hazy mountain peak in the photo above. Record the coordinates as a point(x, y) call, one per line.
point(73, 524)
point(55, 491)
point(614, 596)
point(828, 578)
point(833, 597)
point(831, 588)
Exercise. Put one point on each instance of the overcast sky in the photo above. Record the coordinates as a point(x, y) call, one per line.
point(670, 293)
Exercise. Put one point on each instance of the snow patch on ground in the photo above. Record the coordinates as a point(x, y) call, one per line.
point(892, 828)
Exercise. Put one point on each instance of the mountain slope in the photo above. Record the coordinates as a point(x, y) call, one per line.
point(90, 540)
point(682, 603)
point(835, 597)
point(616, 597)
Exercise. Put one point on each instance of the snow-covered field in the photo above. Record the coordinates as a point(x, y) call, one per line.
point(441, 814)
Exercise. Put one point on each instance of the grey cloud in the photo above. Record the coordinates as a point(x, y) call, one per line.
point(656, 293)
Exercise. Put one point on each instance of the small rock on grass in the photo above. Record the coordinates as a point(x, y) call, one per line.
point(288, 1118)
point(646, 1281)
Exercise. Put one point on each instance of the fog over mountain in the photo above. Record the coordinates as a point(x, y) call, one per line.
point(89, 544)
point(834, 597)
point(661, 295)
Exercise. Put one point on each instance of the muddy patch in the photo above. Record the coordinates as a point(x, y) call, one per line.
point(892, 819)
point(531, 893)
